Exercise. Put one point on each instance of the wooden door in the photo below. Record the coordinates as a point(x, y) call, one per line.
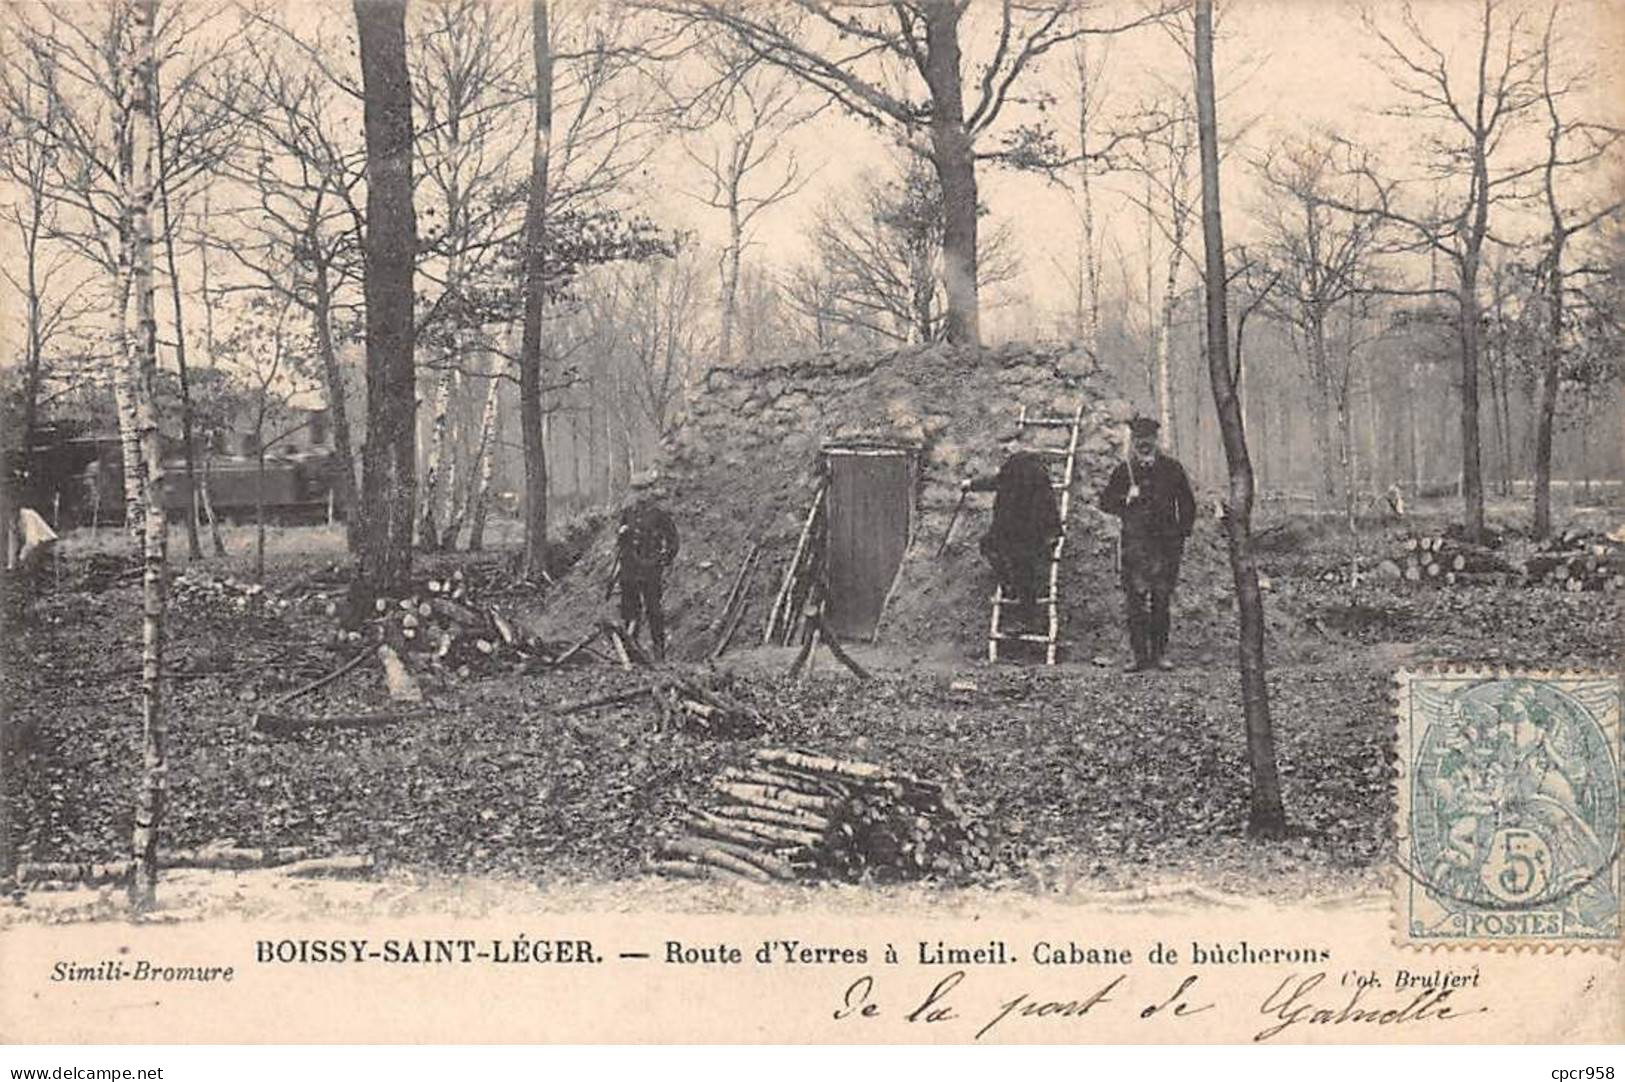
point(871, 501)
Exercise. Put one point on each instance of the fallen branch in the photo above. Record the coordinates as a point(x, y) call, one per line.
point(319, 682)
point(341, 867)
point(603, 700)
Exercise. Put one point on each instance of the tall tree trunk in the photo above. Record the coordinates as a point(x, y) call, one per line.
point(34, 373)
point(1345, 456)
point(922, 290)
point(259, 501)
point(730, 266)
point(194, 550)
point(479, 482)
point(338, 409)
point(1267, 818)
point(530, 349)
point(1089, 263)
point(389, 460)
point(150, 799)
point(1320, 406)
point(1413, 412)
point(1470, 329)
point(125, 394)
point(1165, 334)
point(218, 542)
point(428, 526)
point(955, 162)
point(1551, 362)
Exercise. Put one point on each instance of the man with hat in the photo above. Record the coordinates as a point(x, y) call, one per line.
point(1152, 495)
point(647, 544)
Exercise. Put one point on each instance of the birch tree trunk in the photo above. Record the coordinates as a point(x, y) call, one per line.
point(730, 266)
point(149, 809)
point(1165, 382)
point(428, 528)
point(124, 384)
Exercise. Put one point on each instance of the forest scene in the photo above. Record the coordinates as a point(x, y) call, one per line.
point(349, 349)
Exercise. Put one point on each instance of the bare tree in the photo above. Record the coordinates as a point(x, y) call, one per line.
point(299, 210)
point(905, 66)
point(1570, 145)
point(1466, 118)
point(746, 165)
point(469, 68)
point(389, 460)
point(1164, 159)
point(80, 68)
point(53, 302)
point(1267, 817)
point(264, 362)
point(1322, 257)
point(535, 299)
point(881, 254)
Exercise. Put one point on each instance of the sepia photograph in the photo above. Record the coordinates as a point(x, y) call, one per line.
point(812, 521)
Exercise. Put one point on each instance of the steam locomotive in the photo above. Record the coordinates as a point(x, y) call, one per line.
point(78, 480)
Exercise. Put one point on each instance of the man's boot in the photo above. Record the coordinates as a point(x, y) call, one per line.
point(1159, 635)
point(1139, 643)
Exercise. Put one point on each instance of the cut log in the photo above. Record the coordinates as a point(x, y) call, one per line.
point(715, 855)
point(456, 612)
point(738, 834)
point(792, 817)
point(679, 869)
point(771, 797)
point(737, 829)
point(398, 679)
point(820, 764)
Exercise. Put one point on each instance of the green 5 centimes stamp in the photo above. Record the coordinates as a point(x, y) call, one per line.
point(1509, 808)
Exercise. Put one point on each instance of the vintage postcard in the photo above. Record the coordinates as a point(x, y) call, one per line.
point(762, 521)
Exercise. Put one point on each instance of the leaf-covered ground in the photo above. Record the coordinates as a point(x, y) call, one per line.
point(1087, 778)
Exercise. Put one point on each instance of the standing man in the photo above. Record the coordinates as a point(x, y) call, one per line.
point(647, 544)
point(1026, 522)
point(1151, 494)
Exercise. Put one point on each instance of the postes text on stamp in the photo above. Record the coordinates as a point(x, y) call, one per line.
point(1509, 808)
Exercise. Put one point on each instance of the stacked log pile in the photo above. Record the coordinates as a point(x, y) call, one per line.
point(1574, 560)
point(1447, 561)
point(444, 627)
point(801, 816)
point(1578, 560)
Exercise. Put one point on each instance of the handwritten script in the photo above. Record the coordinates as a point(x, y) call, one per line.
point(1294, 1005)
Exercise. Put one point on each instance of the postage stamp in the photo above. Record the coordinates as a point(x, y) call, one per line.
point(1509, 808)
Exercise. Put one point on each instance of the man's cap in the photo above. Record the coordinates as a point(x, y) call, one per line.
point(1143, 428)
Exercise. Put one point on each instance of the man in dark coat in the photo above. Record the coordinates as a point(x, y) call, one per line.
point(1026, 522)
point(647, 544)
point(1152, 495)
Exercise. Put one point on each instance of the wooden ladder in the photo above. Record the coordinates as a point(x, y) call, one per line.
point(996, 633)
